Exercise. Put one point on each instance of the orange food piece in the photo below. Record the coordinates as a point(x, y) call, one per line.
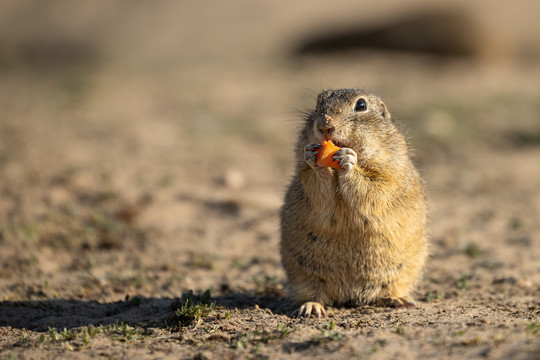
point(324, 155)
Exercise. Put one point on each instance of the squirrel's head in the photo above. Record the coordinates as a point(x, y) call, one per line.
point(352, 118)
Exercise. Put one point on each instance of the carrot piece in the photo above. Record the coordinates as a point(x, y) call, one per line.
point(324, 155)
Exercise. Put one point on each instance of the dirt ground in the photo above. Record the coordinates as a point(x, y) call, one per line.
point(145, 148)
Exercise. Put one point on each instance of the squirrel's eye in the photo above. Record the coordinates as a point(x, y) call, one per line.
point(361, 105)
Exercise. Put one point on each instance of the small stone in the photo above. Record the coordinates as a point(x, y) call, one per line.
point(523, 283)
point(234, 179)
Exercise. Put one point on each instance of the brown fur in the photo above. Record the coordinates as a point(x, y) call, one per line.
point(358, 235)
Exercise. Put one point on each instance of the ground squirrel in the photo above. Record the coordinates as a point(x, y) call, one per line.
point(354, 235)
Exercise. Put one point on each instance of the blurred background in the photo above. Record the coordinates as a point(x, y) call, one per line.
point(145, 146)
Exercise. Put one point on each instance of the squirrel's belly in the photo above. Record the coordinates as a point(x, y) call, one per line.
point(348, 272)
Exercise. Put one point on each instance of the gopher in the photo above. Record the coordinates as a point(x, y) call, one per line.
point(355, 235)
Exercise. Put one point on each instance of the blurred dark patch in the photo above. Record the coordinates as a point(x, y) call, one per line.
point(441, 33)
point(226, 207)
point(49, 55)
point(522, 139)
point(520, 240)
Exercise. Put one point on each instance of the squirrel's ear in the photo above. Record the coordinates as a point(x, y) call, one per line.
point(384, 112)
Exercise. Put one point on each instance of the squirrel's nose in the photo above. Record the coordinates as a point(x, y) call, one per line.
point(326, 126)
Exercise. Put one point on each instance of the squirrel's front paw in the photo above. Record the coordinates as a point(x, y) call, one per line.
point(310, 154)
point(347, 158)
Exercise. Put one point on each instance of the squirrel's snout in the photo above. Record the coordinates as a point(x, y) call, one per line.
point(325, 125)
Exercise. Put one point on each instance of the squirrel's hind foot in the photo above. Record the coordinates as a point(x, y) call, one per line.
point(310, 309)
point(397, 302)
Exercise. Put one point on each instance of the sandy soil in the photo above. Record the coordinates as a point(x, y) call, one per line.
point(145, 149)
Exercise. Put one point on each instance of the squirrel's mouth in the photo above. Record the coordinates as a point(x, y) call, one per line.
point(338, 142)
